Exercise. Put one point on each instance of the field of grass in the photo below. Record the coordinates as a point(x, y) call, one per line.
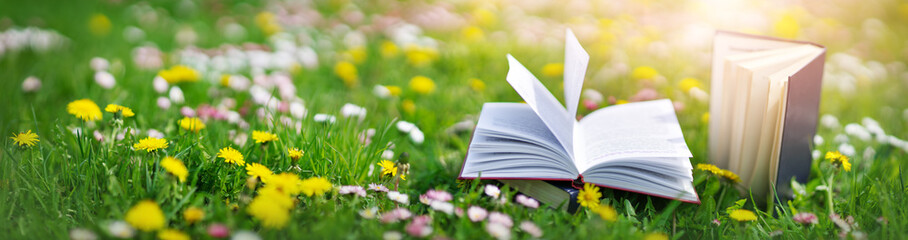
point(340, 80)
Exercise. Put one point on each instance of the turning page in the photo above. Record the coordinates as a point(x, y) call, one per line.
point(575, 62)
point(546, 106)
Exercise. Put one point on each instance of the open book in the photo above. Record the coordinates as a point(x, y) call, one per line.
point(763, 108)
point(635, 147)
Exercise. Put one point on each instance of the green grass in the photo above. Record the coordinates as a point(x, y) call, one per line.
point(67, 181)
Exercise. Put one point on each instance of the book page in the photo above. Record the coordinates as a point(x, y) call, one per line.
point(543, 103)
point(633, 130)
point(575, 63)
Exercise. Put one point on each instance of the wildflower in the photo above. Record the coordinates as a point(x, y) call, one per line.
point(442, 206)
point(717, 222)
point(688, 83)
point(268, 23)
point(193, 215)
point(347, 72)
point(729, 175)
point(369, 213)
point(531, 229)
point(179, 74)
point(553, 69)
point(352, 110)
point(324, 118)
point(408, 106)
point(84, 109)
point(805, 218)
point(114, 108)
point(176, 95)
point(187, 111)
point(787, 26)
point(287, 183)
point(82, 234)
point(589, 196)
point(381, 91)
point(392, 235)
point(388, 168)
point(121, 229)
point(27, 138)
point(419, 56)
point(477, 85)
point(742, 215)
point(399, 197)
point(163, 103)
point(31, 84)
point(419, 227)
point(377, 187)
point(315, 186)
point(395, 215)
point(606, 212)
point(472, 33)
point(245, 235)
point(836, 158)
point(172, 234)
point(105, 79)
point(191, 124)
point(437, 195)
point(394, 90)
point(355, 190)
point(655, 236)
point(498, 231)
point(492, 191)
point(99, 24)
point(231, 155)
point(422, 85)
point(259, 171)
point(263, 137)
point(477, 214)
point(644, 72)
point(388, 49)
point(146, 216)
point(175, 166)
point(218, 230)
point(267, 208)
point(501, 218)
point(150, 144)
point(527, 201)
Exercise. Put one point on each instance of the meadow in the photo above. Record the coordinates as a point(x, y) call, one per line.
point(345, 119)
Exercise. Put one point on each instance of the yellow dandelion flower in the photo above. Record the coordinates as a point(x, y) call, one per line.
point(731, 176)
point(268, 23)
point(114, 108)
point(606, 212)
point(473, 33)
point(705, 117)
point(477, 85)
point(388, 49)
point(193, 215)
point(277, 197)
point(175, 166)
point(394, 90)
point(295, 153)
point(621, 101)
point(263, 137)
point(655, 236)
point(644, 72)
point(287, 183)
point(172, 234)
point(553, 69)
point(742, 215)
point(787, 26)
point(231, 155)
point(408, 106)
point(84, 109)
point(836, 158)
point(191, 124)
point(99, 24)
point(267, 209)
point(315, 186)
point(484, 17)
point(589, 196)
point(356, 54)
point(150, 144)
point(259, 171)
point(387, 168)
point(419, 56)
point(146, 216)
point(346, 71)
point(27, 138)
point(179, 74)
point(422, 85)
point(688, 83)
